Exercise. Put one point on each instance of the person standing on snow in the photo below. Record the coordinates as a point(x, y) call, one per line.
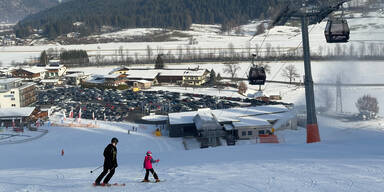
point(110, 162)
point(148, 160)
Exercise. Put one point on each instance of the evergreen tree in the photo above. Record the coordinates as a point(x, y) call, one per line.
point(159, 64)
point(44, 58)
point(218, 77)
point(212, 77)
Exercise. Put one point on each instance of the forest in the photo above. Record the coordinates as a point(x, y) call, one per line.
point(89, 16)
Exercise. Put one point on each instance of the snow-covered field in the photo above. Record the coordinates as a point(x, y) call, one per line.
point(363, 30)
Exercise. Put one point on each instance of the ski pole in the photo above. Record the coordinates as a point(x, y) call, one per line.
point(96, 168)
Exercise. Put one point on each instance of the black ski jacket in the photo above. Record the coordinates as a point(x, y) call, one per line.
point(110, 153)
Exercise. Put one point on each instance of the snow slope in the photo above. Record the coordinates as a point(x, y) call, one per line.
point(349, 158)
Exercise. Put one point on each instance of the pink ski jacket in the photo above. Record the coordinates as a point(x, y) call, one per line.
point(148, 160)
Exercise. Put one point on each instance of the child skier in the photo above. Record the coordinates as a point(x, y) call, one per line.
point(148, 160)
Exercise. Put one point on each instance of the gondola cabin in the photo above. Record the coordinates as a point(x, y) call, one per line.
point(257, 75)
point(337, 31)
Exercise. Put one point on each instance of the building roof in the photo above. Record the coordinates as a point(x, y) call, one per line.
point(231, 114)
point(49, 80)
point(9, 80)
point(205, 120)
point(181, 118)
point(16, 112)
point(250, 121)
point(77, 75)
point(112, 76)
point(34, 69)
point(95, 79)
point(142, 74)
point(194, 73)
point(54, 67)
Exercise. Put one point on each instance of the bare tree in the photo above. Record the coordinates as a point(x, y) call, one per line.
point(242, 88)
point(231, 69)
point(121, 55)
point(290, 72)
point(149, 53)
point(266, 67)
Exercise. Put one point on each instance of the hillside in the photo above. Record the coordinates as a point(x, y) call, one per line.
point(348, 159)
point(91, 15)
point(13, 10)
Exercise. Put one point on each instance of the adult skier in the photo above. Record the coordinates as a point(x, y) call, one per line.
point(110, 163)
point(148, 160)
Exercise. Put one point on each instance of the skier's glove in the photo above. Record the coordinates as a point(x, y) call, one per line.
point(157, 160)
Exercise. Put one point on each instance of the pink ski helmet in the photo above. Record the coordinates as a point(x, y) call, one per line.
point(149, 153)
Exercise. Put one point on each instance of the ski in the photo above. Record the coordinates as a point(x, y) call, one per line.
point(108, 185)
point(152, 181)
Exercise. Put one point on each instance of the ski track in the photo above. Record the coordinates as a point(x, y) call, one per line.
point(261, 176)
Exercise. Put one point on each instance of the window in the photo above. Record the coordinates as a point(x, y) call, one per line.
point(243, 133)
point(12, 92)
point(12, 99)
point(249, 132)
point(261, 132)
point(13, 105)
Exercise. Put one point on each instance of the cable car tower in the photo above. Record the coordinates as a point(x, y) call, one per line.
point(309, 12)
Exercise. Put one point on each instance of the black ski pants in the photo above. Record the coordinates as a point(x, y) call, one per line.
point(147, 174)
point(108, 177)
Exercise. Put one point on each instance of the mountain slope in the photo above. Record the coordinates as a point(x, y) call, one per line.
point(14, 10)
point(178, 14)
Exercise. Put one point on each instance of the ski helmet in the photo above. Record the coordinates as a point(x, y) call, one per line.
point(149, 153)
point(114, 140)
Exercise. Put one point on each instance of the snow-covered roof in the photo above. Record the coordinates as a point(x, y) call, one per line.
point(231, 114)
point(95, 79)
point(76, 75)
point(112, 76)
point(35, 69)
point(251, 121)
point(53, 67)
point(181, 118)
point(9, 80)
point(143, 81)
point(142, 74)
point(118, 69)
point(172, 72)
point(194, 73)
point(49, 80)
point(16, 112)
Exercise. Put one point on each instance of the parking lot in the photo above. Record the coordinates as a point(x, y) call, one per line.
point(116, 105)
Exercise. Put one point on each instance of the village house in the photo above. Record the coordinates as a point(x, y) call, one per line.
point(76, 78)
point(55, 70)
point(111, 81)
point(29, 73)
point(195, 77)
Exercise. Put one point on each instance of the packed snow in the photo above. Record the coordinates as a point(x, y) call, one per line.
point(349, 158)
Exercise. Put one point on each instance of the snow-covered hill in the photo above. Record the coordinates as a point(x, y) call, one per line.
point(349, 158)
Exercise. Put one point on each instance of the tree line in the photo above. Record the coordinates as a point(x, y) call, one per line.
point(91, 15)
